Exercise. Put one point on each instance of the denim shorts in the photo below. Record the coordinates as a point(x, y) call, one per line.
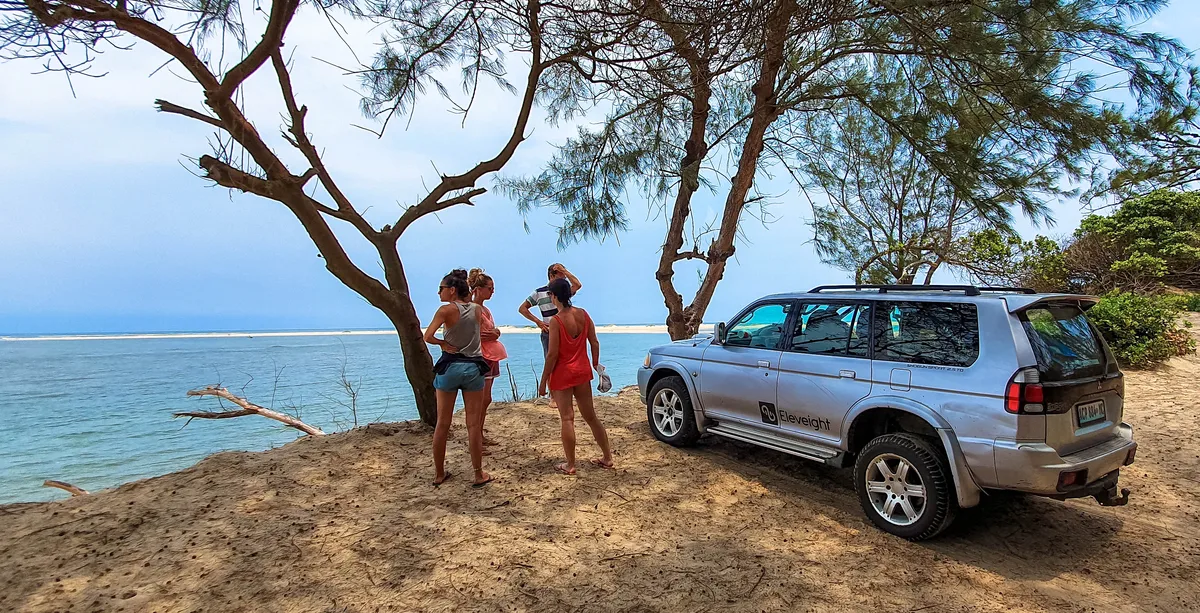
point(545, 343)
point(463, 376)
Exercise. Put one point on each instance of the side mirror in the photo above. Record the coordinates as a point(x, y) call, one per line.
point(720, 337)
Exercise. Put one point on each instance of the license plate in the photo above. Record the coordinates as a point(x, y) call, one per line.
point(1090, 412)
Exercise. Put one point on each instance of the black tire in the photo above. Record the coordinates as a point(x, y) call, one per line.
point(673, 394)
point(939, 505)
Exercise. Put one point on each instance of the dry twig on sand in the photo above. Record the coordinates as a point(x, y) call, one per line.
point(63, 485)
point(247, 408)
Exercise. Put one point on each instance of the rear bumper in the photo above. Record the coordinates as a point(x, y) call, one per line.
point(1035, 467)
point(1104, 490)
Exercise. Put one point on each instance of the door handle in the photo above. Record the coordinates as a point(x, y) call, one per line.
point(764, 364)
point(847, 374)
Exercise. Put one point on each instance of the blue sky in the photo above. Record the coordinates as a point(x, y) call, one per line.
point(103, 227)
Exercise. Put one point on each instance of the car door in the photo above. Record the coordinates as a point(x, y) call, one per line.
point(738, 376)
point(824, 368)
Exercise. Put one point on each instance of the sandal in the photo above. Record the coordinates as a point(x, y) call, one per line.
point(445, 478)
point(562, 468)
point(600, 462)
point(484, 482)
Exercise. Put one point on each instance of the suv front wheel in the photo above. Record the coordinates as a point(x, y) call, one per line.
point(903, 484)
point(669, 410)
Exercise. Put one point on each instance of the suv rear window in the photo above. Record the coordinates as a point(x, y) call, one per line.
point(937, 333)
point(1063, 341)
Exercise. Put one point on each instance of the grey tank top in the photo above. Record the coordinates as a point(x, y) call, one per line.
point(465, 333)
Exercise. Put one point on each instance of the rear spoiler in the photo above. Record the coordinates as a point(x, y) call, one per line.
point(1018, 303)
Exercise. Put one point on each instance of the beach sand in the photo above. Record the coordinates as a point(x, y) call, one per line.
point(349, 522)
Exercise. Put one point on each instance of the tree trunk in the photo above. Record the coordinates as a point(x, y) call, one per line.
point(765, 112)
point(418, 363)
point(679, 317)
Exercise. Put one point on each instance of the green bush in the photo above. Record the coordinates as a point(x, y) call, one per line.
point(1148, 241)
point(1142, 330)
point(1191, 303)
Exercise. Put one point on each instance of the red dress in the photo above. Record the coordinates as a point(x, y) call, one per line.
point(573, 367)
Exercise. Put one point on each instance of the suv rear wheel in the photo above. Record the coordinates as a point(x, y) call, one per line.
point(669, 410)
point(903, 484)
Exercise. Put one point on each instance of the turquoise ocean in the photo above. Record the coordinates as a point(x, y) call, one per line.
point(97, 412)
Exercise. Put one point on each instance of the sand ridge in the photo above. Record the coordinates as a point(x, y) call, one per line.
point(349, 522)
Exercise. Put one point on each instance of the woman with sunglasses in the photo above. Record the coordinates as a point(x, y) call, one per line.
point(482, 289)
point(460, 367)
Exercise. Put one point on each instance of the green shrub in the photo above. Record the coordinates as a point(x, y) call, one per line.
point(1191, 303)
point(1142, 330)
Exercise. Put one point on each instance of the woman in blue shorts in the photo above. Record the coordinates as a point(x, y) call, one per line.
point(460, 367)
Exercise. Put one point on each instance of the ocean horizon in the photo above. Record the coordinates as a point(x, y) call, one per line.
point(98, 413)
point(182, 334)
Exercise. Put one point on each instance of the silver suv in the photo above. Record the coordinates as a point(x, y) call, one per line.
point(935, 394)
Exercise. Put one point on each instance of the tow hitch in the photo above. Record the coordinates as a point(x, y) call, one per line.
point(1109, 498)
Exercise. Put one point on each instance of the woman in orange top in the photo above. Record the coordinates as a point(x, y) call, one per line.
point(482, 288)
point(568, 374)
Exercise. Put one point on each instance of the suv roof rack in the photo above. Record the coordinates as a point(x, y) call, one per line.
point(1013, 290)
point(969, 290)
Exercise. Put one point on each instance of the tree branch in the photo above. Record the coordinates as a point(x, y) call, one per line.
point(309, 211)
point(96, 11)
point(433, 202)
point(694, 254)
point(167, 107)
point(248, 408)
point(414, 213)
point(299, 136)
point(282, 12)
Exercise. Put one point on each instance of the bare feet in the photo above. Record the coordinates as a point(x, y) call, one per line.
point(602, 464)
point(482, 480)
point(444, 478)
point(564, 469)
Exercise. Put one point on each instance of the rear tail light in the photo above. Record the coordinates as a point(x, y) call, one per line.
point(1130, 456)
point(1070, 478)
point(1024, 393)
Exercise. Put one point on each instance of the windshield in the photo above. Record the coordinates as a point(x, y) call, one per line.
point(1062, 339)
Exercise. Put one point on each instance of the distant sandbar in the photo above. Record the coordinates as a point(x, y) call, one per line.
point(601, 329)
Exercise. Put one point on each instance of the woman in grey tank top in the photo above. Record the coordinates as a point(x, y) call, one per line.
point(460, 367)
point(463, 336)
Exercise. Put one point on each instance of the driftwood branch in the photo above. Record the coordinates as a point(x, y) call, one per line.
point(247, 408)
point(63, 485)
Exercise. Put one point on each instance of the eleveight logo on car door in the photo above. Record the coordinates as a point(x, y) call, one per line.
point(769, 415)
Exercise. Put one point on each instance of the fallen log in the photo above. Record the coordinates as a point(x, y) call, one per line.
point(247, 408)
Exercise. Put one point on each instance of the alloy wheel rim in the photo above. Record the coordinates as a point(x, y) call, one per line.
point(895, 488)
point(668, 412)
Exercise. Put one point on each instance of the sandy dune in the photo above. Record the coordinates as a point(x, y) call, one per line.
point(350, 523)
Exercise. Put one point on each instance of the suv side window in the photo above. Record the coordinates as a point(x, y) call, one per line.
point(762, 327)
point(831, 328)
point(939, 333)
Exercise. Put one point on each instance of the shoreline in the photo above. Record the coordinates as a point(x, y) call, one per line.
point(600, 329)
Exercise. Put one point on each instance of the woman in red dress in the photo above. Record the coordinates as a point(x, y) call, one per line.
point(568, 373)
